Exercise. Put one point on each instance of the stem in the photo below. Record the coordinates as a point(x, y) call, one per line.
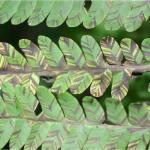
point(56, 71)
point(66, 121)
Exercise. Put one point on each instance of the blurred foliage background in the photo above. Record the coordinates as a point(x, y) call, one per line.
point(138, 86)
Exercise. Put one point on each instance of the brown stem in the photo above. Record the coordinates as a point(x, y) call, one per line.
point(66, 121)
point(56, 71)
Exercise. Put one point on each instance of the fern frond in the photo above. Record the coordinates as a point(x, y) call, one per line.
point(73, 67)
point(112, 14)
point(63, 123)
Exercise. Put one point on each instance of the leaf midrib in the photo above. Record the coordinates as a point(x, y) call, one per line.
point(59, 70)
point(85, 123)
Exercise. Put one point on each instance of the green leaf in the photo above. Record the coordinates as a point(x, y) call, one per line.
point(62, 83)
point(6, 129)
point(96, 14)
point(33, 54)
point(51, 51)
point(100, 83)
point(120, 84)
point(40, 12)
point(59, 13)
point(92, 51)
point(145, 48)
point(71, 68)
point(24, 10)
point(139, 114)
point(20, 134)
point(135, 17)
point(131, 51)
point(118, 139)
point(96, 138)
point(113, 15)
point(71, 108)
point(26, 102)
point(9, 98)
point(75, 139)
point(111, 50)
point(38, 133)
point(5, 12)
point(12, 56)
point(80, 81)
point(67, 124)
point(30, 81)
point(115, 112)
point(50, 107)
point(93, 110)
point(139, 139)
point(3, 62)
point(77, 14)
point(72, 52)
point(56, 136)
point(117, 14)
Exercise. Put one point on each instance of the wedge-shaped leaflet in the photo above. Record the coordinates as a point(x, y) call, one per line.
point(20, 134)
point(33, 54)
point(29, 80)
point(64, 123)
point(120, 84)
point(100, 83)
point(62, 83)
point(81, 80)
point(138, 13)
point(59, 12)
point(139, 114)
point(146, 48)
point(96, 14)
point(37, 135)
point(94, 111)
point(47, 101)
point(75, 139)
point(40, 12)
point(111, 50)
point(71, 108)
point(5, 12)
point(92, 51)
point(51, 51)
point(76, 81)
point(139, 139)
point(9, 99)
point(77, 14)
point(11, 56)
point(115, 112)
point(131, 51)
point(117, 14)
point(3, 62)
point(6, 130)
point(72, 52)
point(25, 9)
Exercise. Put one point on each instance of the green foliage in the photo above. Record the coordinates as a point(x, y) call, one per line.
point(112, 14)
point(44, 85)
point(63, 123)
point(73, 67)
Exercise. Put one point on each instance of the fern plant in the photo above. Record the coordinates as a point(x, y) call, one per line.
point(52, 92)
point(76, 68)
point(113, 14)
point(64, 124)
